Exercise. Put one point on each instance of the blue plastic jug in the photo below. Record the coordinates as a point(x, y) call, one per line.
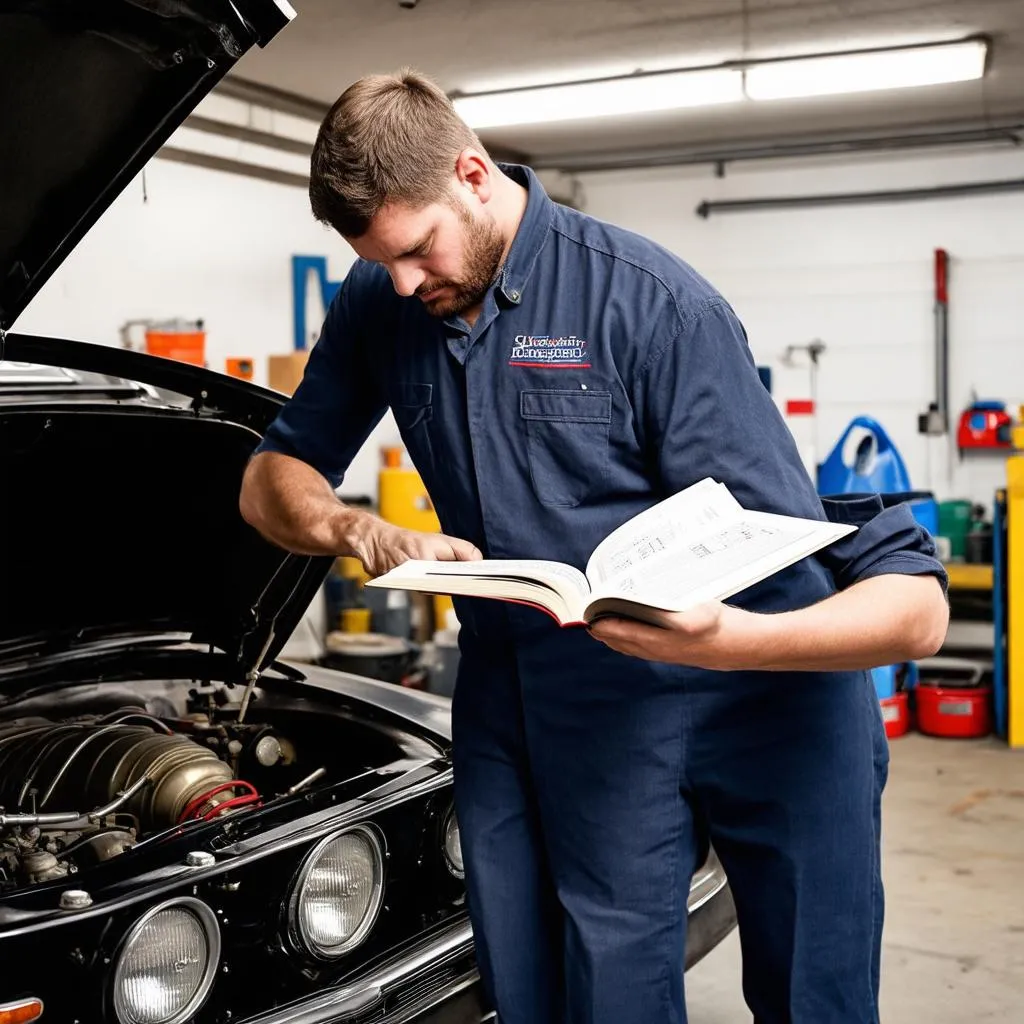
point(876, 467)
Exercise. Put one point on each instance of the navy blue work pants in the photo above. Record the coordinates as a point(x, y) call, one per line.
point(586, 784)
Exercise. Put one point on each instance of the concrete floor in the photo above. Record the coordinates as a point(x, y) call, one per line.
point(953, 862)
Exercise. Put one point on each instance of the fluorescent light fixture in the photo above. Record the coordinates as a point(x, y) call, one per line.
point(825, 75)
point(607, 97)
point(866, 72)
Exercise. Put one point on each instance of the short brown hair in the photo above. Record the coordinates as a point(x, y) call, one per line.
point(388, 138)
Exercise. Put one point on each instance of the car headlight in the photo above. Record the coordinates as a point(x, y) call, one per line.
point(167, 964)
point(453, 846)
point(337, 893)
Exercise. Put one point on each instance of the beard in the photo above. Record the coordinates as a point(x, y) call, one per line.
point(483, 247)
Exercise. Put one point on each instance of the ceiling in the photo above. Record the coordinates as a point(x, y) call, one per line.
point(473, 45)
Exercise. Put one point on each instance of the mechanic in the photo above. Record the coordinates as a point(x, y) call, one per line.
point(552, 376)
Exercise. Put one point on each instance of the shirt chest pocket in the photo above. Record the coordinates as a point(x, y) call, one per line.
point(567, 443)
point(412, 406)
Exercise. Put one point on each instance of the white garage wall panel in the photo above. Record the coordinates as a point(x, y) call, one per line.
point(204, 245)
point(218, 247)
point(860, 278)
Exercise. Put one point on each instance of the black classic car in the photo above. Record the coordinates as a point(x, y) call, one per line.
point(191, 828)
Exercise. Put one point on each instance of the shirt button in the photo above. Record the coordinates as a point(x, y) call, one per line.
point(514, 295)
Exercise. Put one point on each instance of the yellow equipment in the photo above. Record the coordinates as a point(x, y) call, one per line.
point(404, 501)
point(403, 498)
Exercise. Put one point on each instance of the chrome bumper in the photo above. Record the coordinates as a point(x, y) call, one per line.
point(448, 956)
point(710, 909)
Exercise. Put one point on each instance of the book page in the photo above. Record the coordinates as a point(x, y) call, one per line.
point(658, 530)
point(559, 588)
point(720, 559)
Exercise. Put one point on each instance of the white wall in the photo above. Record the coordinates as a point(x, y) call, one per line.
point(218, 247)
point(204, 245)
point(860, 278)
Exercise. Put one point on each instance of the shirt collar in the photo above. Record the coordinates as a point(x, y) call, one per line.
point(530, 237)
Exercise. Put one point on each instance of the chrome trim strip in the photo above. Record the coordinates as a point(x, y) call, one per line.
point(414, 1011)
point(350, 1000)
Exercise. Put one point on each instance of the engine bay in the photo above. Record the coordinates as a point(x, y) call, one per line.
point(86, 786)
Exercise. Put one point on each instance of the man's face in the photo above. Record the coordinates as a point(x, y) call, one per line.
point(445, 254)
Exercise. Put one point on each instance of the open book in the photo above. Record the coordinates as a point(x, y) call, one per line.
point(697, 545)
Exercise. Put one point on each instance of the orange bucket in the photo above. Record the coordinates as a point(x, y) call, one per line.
point(186, 343)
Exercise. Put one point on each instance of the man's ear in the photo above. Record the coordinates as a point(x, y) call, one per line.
point(472, 172)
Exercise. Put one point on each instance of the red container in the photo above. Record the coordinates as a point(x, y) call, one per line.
point(948, 711)
point(896, 714)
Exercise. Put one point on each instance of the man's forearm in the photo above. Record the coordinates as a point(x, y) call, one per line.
point(293, 506)
point(875, 622)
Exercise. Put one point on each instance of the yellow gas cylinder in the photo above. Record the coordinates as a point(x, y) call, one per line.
point(403, 500)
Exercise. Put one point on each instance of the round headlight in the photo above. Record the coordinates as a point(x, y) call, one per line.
point(167, 964)
point(453, 846)
point(338, 893)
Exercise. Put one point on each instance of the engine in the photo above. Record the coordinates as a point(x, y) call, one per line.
point(84, 790)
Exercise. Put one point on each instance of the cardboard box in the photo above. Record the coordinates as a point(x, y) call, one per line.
point(284, 372)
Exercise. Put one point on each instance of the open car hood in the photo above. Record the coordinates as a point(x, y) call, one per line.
point(91, 90)
point(118, 502)
point(119, 507)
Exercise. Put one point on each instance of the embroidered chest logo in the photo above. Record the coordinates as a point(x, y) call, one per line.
point(550, 353)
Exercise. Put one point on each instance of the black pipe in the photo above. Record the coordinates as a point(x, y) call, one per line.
point(229, 166)
point(706, 208)
point(242, 133)
point(275, 99)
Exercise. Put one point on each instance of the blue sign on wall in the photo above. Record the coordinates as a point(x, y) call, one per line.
point(304, 267)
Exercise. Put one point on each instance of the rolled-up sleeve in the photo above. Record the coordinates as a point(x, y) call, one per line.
point(706, 413)
point(888, 540)
point(338, 402)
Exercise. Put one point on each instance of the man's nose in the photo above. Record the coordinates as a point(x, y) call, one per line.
point(407, 279)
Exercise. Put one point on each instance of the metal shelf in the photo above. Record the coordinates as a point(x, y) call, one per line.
point(969, 577)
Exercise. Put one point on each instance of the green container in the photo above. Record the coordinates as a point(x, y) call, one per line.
point(954, 523)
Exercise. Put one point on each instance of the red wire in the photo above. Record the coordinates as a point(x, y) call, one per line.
point(235, 801)
point(194, 805)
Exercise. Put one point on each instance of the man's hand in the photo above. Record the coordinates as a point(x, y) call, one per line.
point(293, 506)
point(878, 621)
point(381, 546)
point(713, 636)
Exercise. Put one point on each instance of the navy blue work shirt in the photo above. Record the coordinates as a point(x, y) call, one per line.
point(602, 374)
